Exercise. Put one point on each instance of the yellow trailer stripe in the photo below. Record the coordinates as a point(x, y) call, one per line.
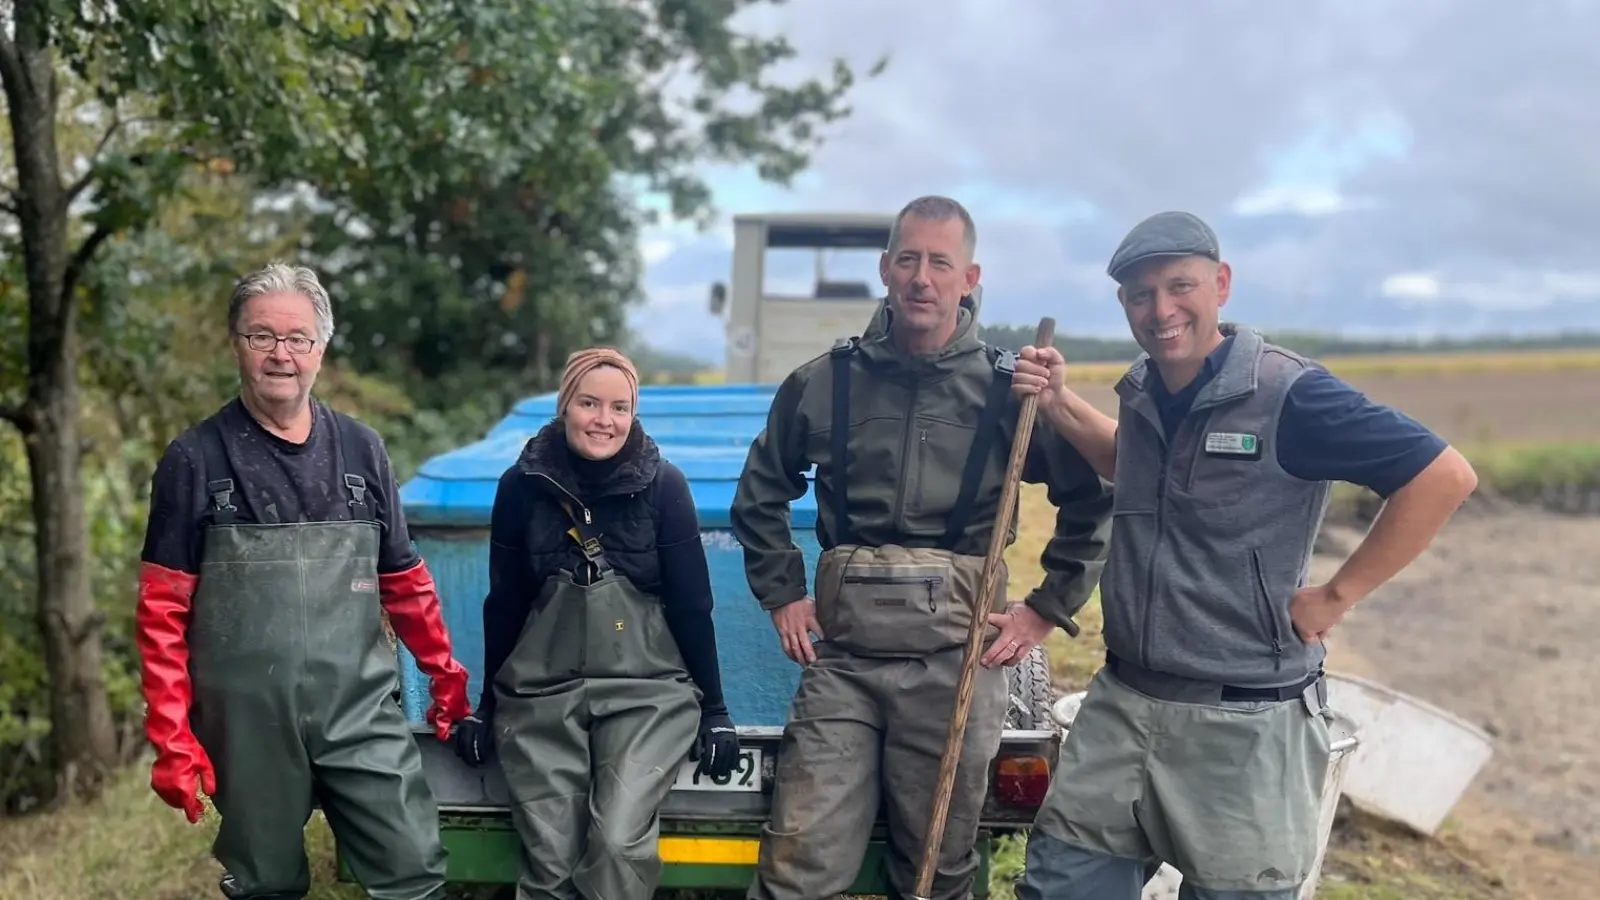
point(711, 851)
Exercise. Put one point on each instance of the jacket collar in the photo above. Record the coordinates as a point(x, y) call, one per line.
point(879, 350)
point(546, 453)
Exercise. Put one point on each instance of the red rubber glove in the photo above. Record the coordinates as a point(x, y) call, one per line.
point(162, 624)
point(412, 602)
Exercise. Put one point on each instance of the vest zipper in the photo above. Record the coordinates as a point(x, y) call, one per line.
point(591, 571)
point(588, 518)
point(1266, 607)
point(1155, 554)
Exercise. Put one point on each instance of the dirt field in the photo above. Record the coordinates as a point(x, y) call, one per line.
point(1496, 623)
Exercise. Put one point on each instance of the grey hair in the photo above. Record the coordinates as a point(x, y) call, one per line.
point(934, 208)
point(281, 278)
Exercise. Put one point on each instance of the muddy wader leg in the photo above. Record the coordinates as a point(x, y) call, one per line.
point(378, 805)
point(827, 792)
point(264, 800)
point(913, 746)
point(543, 747)
point(639, 734)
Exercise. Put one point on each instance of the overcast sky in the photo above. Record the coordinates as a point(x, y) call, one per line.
point(1413, 166)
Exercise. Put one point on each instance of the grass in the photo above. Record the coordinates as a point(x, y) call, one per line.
point(130, 844)
point(1521, 469)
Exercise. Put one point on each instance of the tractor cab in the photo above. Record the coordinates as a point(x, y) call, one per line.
point(799, 281)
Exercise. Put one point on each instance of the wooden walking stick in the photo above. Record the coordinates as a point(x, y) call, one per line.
point(1044, 337)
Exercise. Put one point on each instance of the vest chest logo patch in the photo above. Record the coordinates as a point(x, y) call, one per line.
point(1229, 443)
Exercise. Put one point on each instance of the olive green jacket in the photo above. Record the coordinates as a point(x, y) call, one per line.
point(912, 421)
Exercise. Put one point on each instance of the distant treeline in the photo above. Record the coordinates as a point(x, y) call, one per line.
point(1318, 346)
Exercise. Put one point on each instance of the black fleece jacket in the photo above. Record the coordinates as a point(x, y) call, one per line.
point(647, 523)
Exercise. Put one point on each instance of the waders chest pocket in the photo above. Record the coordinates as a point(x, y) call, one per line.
point(888, 608)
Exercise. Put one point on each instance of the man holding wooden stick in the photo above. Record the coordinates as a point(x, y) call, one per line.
point(910, 428)
point(1203, 742)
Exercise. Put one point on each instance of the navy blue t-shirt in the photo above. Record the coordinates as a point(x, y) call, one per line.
point(1329, 431)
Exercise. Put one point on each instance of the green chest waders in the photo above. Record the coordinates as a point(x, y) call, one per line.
point(594, 713)
point(293, 680)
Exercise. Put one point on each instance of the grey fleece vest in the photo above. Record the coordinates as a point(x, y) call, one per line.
point(1211, 537)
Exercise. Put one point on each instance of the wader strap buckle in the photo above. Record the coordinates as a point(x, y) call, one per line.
point(221, 494)
point(220, 485)
point(588, 540)
point(358, 488)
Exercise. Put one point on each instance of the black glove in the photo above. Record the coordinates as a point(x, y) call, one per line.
point(717, 748)
point(473, 739)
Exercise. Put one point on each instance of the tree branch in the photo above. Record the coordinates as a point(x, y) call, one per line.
point(17, 416)
point(87, 178)
point(80, 261)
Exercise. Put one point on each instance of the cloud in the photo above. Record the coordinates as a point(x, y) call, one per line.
point(1510, 291)
point(1423, 166)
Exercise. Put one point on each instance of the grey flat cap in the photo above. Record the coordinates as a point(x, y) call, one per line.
point(1164, 234)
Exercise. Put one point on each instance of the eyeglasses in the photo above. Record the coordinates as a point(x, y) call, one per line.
point(266, 343)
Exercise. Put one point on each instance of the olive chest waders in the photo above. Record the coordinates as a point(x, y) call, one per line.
point(293, 699)
point(594, 713)
point(870, 718)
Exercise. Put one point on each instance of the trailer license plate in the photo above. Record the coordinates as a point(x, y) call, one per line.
point(746, 776)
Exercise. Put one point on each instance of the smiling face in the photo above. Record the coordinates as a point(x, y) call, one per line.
point(278, 377)
point(600, 413)
point(1173, 308)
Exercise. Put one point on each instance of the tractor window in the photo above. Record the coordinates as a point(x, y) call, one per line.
point(823, 263)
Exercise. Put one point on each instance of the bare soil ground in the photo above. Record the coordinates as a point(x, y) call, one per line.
point(1496, 623)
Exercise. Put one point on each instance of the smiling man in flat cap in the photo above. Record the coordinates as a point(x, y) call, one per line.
point(1204, 741)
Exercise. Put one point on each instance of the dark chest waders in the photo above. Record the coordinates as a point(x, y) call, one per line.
point(594, 714)
point(292, 699)
point(867, 727)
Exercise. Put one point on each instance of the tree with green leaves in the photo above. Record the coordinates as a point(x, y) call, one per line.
point(469, 165)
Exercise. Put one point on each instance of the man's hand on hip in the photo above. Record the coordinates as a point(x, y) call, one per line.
point(1021, 630)
point(796, 622)
point(1314, 610)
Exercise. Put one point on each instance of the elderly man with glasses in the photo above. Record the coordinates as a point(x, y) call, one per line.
point(274, 545)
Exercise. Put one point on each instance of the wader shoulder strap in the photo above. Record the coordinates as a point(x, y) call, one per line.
point(219, 474)
point(982, 444)
point(839, 437)
point(348, 456)
point(586, 536)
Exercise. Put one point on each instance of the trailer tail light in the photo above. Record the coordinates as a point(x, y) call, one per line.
point(1022, 780)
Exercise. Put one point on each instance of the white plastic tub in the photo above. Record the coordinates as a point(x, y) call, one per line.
point(1415, 759)
point(1347, 736)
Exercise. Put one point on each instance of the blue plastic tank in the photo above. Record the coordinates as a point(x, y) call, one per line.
point(706, 431)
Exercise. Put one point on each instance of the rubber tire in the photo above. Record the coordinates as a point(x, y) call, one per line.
point(1031, 692)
